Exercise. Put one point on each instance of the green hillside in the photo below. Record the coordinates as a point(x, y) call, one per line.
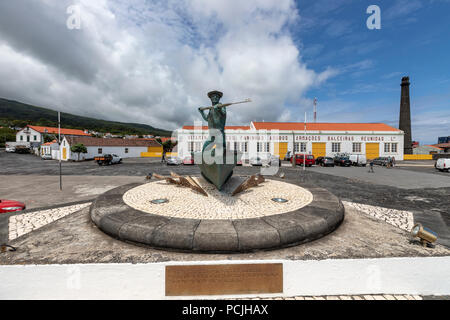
point(20, 114)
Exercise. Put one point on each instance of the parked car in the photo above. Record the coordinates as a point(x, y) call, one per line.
point(442, 164)
point(274, 161)
point(22, 149)
point(262, 159)
point(9, 148)
point(46, 157)
point(256, 161)
point(10, 206)
point(173, 161)
point(108, 159)
point(189, 160)
point(342, 161)
point(358, 159)
point(319, 160)
point(327, 162)
point(381, 161)
point(300, 157)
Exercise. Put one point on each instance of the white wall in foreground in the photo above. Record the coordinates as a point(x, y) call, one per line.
point(421, 276)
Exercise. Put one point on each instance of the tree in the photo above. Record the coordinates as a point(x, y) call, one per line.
point(167, 146)
point(6, 134)
point(50, 137)
point(78, 148)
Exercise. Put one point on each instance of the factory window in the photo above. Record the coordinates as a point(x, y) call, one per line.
point(35, 138)
point(356, 147)
point(300, 147)
point(244, 147)
point(394, 147)
point(126, 150)
point(28, 138)
point(191, 146)
point(335, 147)
point(267, 149)
point(387, 147)
point(236, 147)
point(303, 147)
point(100, 151)
point(198, 146)
point(21, 138)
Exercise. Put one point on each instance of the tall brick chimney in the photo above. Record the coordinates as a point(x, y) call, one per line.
point(405, 116)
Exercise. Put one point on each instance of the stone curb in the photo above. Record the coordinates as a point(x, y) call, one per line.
point(322, 216)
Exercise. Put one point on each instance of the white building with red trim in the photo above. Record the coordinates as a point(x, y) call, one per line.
point(320, 139)
point(35, 134)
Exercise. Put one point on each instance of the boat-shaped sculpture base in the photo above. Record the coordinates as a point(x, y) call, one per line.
point(218, 173)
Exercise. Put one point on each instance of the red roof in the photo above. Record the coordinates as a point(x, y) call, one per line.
point(428, 145)
point(111, 142)
point(442, 145)
point(323, 126)
point(50, 143)
point(70, 132)
point(226, 127)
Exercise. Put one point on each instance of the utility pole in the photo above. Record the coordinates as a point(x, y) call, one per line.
point(293, 149)
point(304, 154)
point(315, 110)
point(59, 143)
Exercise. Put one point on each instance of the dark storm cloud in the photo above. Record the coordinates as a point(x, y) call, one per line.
point(38, 29)
point(142, 61)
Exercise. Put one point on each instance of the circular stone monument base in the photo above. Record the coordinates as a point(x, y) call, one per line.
point(189, 221)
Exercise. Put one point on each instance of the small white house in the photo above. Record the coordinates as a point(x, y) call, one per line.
point(34, 136)
point(50, 149)
point(124, 148)
point(426, 149)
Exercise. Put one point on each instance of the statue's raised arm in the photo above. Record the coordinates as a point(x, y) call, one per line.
point(202, 112)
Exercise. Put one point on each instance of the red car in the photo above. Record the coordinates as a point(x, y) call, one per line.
point(299, 159)
point(10, 206)
point(188, 160)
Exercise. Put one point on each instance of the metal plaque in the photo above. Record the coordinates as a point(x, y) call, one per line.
point(189, 280)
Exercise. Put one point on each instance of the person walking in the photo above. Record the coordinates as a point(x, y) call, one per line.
point(371, 166)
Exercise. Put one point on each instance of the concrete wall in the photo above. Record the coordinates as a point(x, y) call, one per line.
point(133, 152)
point(418, 157)
point(413, 275)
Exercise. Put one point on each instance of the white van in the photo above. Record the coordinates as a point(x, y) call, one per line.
point(443, 164)
point(358, 159)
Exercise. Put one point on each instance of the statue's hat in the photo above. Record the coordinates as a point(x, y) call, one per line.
point(220, 94)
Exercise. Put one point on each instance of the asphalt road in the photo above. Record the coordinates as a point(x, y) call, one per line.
point(420, 189)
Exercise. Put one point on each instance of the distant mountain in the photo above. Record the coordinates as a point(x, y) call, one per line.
point(20, 114)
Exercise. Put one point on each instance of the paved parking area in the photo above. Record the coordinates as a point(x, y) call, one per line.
point(417, 189)
point(394, 177)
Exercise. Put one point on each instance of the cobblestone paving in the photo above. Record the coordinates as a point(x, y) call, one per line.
point(185, 203)
point(398, 218)
point(27, 222)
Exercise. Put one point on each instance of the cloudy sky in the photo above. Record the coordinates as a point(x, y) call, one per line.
point(154, 61)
